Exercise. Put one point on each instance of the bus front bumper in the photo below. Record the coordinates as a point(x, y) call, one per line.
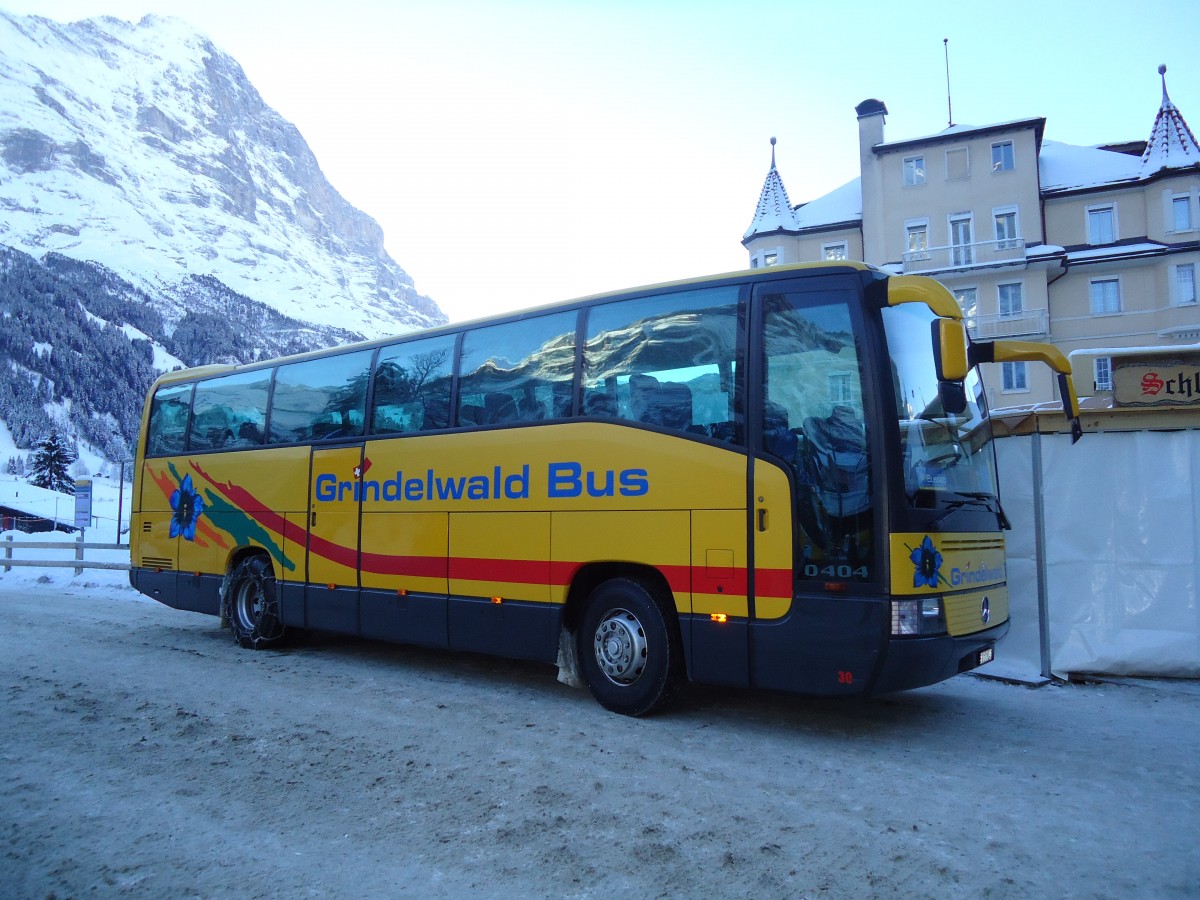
point(917, 662)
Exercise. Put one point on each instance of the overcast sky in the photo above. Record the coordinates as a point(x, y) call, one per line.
point(518, 153)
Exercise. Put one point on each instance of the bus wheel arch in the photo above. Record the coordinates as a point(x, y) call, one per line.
point(250, 602)
point(627, 640)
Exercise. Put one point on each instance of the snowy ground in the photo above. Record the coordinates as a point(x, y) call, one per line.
point(143, 754)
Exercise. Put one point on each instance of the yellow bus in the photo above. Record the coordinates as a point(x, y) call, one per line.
point(780, 478)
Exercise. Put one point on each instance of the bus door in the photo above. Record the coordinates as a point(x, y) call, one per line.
point(812, 523)
point(334, 497)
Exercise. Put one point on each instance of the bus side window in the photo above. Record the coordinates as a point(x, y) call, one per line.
point(169, 410)
point(320, 398)
point(412, 386)
point(514, 372)
point(228, 412)
point(670, 359)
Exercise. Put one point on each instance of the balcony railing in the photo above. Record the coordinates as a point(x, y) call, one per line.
point(1030, 321)
point(979, 255)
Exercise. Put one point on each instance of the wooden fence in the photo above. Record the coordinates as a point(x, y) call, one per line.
point(79, 563)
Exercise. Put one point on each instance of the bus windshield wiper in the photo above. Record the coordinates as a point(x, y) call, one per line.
point(966, 498)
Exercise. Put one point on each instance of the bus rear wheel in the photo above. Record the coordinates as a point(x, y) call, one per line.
point(628, 647)
point(252, 605)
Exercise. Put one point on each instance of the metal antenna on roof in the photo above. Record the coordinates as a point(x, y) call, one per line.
point(949, 109)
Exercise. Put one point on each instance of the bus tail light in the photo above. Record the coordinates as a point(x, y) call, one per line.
point(918, 617)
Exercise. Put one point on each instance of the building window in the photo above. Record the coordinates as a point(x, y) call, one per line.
point(914, 170)
point(1102, 372)
point(1185, 283)
point(834, 251)
point(1002, 156)
point(841, 388)
point(917, 240)
point(962, 253)
point(1013, 377)
point(968, 302)
point(1005, 222)
point(1181, 213)
point(764, 258)
point(1012, 301)
point(1102, 224)
point(958, 164)
point(1106, 296)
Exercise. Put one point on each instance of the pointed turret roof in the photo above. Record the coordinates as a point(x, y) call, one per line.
point(1172, 144)
point(774, 211)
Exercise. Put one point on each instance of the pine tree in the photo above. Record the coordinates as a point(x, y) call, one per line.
point(49, 466)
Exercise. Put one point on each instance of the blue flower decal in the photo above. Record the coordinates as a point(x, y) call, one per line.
point(928, 563)
point(187, 506)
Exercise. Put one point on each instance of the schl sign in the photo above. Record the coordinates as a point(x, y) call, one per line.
point(1161, 382)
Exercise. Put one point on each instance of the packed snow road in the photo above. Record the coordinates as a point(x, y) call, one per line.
point(142, 753)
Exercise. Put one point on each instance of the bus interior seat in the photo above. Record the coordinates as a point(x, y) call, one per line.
point(562, 397)
point(470, 414)
point(778, 438)
point(729, 432)
point(249, 435)
point(839, 457)
point(529, 407)
point(600, 404)
point(498, 407)
point(641, 387)
point(666, 404)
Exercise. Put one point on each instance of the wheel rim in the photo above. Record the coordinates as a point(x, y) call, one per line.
point(621, 648)
point(250, 605)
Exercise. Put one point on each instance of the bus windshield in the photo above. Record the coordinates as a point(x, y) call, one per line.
point(948, 460)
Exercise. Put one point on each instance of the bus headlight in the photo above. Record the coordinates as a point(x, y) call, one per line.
point(917, 617)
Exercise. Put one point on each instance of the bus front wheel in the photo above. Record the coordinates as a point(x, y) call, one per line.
point(629, 649)
point(252, 605)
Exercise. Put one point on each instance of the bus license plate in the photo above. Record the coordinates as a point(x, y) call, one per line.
point(986, 655)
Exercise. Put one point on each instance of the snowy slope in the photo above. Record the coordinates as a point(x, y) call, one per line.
point(144, 147)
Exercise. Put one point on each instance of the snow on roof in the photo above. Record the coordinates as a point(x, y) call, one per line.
point(36, 501)
point(1172, 144)
point(960, 130)
point(1064, 167)
point(1140, 248)
point(843, 204)
point(774, 210)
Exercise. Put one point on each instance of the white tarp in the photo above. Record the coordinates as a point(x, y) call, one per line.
point(1122, 553)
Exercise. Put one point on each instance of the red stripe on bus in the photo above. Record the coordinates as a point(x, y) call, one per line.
point(418, 566)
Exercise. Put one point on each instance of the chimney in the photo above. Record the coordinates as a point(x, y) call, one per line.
point(871, 115)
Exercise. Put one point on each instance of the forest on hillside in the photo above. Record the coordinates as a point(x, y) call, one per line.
point(76, 342)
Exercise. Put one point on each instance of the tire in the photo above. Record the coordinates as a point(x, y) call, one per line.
point(629, 649)
point(252, 605)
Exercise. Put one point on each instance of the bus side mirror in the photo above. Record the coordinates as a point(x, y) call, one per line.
point(1007, 351)
point(953, 397)
point(950, 349)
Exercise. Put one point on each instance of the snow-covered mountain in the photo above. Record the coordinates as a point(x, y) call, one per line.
point(145, 148)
